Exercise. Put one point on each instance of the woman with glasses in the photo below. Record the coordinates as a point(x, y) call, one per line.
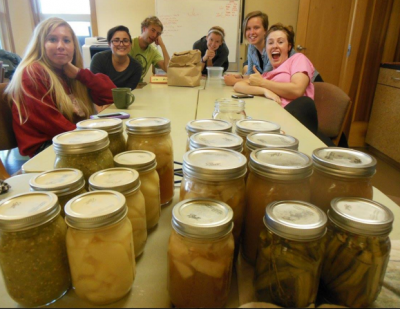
point(116, 63)
point(50, 90)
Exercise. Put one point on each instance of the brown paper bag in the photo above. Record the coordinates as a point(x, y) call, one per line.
point(184, 69)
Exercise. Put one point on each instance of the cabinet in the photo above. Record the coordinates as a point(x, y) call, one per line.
point(384, 126)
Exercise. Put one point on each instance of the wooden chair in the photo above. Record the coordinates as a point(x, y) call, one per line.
point(333, 107)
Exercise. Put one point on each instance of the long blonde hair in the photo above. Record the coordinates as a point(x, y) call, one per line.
point(35, 54)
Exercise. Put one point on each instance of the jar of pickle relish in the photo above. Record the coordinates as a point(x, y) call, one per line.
point(33, 255)
point(340, 172)
point(275, 174)
point(357, 252)
point(201, 125)
point(85, 150)
point(100, 246)
point(200, 253)
point(246, 126)
point(114, 128)
point(216, 139)
point(290, 254)
point(127, 182)
point(153, 134)
point(145, 163)
point(66, 183)
point(218, 174)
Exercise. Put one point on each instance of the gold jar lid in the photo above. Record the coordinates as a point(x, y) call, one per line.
point(216, 139)
point(247, 126)
point(140, 160)
point(120, 179)
point(110, 125)
point(148, 125)
point(201, 125)
point(258, 140)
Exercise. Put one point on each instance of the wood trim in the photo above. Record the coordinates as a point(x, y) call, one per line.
point(35, 10)
point(8, 39)
point(93, 18)
point(304, 9)
point(389, 51)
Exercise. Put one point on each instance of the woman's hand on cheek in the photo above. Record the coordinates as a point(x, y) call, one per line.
point(70, 70)
point(256, 78)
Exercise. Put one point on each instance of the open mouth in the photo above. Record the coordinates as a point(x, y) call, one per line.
point(276, 55)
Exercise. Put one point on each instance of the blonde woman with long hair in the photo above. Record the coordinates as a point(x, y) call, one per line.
point(50, 91)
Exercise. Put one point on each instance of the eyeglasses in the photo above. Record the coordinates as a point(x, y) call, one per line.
point(117, 42)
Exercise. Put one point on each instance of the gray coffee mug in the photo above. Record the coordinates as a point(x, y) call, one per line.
point(122, 97)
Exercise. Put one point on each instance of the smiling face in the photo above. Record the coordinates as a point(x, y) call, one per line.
point(214, 41)
point(59, 46)
point(151, 33)
point(255, 32)
point(278, 48)
point(120, 43)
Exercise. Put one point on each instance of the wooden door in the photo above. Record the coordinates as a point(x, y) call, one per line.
point(322, 29)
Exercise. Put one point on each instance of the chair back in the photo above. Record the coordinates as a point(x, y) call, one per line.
point(7, 136)
point(333, 107)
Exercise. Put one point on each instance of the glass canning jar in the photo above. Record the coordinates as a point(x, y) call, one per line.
point(85, 150)
point(127, 182)
point(100, 246)
point(201, 125)
point(145, 163)
point(216, 139)
point(33, 255)
point(66, 183)
point(340, 172)
point(230, 110)
point(290, 254)
point(357, 252)
point(246, 126)
point(275, 174)
point(114, 128)
point(153, 134)
point(200, 253)
point(218, 174)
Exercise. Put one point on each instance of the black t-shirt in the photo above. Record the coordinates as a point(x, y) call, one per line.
point(221, 54)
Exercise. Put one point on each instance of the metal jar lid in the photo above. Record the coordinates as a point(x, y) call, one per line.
point(60, 181)
point(111, 125)
point(148, 125)
point(280, 163)
point(140, 160)
point(216, 139)
point(361, 216)
point(214, 164)
point(120, 179)
point(201, 125)
point(28, 210)
point(344, 162)
point(295, 220)
point(247, 126)
point(96, 209)
point(258, 140)
point(202, 218)
point(80, 141)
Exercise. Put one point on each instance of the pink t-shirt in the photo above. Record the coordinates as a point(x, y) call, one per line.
point(283, 74)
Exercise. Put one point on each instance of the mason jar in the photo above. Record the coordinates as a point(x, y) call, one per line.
point(127, 182)
point(66, 183)
point(100, 246)
point(357, 252)
point(218, 174)
point(201, 125)
point(340, 172)
point(231, 110)
point(200, 253)
point(275, 174)
point(145, 163)
point(153, 134)
point(290, 254)
point(33, 255)
point(114, 128)
point(85, 150)
point(216, 139)
point(246, 126)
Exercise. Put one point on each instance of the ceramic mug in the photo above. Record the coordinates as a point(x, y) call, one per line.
point(122, 97)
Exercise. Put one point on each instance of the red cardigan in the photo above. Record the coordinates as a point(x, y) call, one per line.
point(45, 121)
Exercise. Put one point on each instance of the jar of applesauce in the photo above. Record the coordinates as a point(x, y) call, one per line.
point(153, 134)
point(145, 163)
point(66, 183)
point(275, 174)
point(200, 253)
point(340, 172)
point(357, 252)
point(100, 246)
point(127, 182)
point(33, 256)
point(290, 254)
point(114, 128)
point(246, 126)
point(85, 150)
point(201, 125)
point(218, 174)
point(216, 139)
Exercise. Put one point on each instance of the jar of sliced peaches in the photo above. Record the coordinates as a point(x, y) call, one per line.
point(100, 246)
point(200, 253)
